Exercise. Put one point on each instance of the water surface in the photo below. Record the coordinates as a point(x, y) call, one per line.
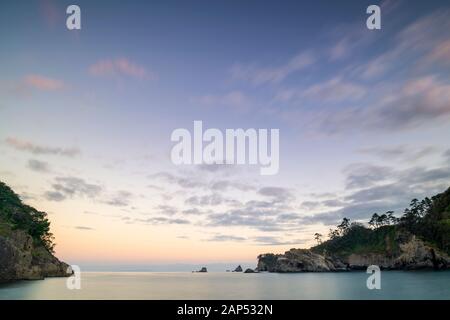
point(183, 285)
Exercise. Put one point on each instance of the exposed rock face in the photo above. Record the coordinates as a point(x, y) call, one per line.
point(299, 260)
point(413, 255)
point(249, 270)
point(416, 255)
point(20, 259)
point(238, 269)
point(24, 241)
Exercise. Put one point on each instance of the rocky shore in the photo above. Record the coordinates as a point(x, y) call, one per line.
point(25, 241)
point(414, 254)
point(21, 259)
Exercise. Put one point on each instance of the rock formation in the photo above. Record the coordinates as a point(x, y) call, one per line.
point(238, 269)
point(25, 241)
point(414, 254)
point(21, 259)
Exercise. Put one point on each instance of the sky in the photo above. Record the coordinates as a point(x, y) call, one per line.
point(86, 118)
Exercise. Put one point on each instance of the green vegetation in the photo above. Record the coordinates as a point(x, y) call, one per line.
point(16, 215)
point(428, 219)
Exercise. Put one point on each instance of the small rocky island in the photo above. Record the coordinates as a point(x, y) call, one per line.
point(238, 269)
point(420, 239)
point(26, 248)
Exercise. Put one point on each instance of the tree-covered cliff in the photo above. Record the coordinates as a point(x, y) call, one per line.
point(428, 219)
point(26, 243)
point(420, 238)
point(14, 215)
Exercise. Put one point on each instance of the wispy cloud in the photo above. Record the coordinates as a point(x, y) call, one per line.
point(372, 92)
point(275, 241)
point(278, 194)
point(440, 54)
point(193, 211)
point(68, 187)
point(263, 75)
point(223, 185)
point(257, 215)
point(258, 240)
point(226, 238)
point(84, 228)
point(391, 190)
point(27, 146)
point(399, 152)
point(54, 196)
point(38, 166)
point(120, 199)
point(416, 103)
point(165, 209)
point(51, 12)
point(365, 175)
point(161, 221)
point(236, 100)
point(447, 155)
point(120, 67)
point(335, 89)
point(206, 200)
point(414, 42)
point(184, 182)
point(332, 90)
point(43, 83)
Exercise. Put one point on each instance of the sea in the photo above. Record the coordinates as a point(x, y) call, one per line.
point(394, 285)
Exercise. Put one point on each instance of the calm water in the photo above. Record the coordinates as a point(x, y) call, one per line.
point(156, 285)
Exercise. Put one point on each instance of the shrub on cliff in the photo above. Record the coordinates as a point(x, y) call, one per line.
point(16, 215)
point(428, 219)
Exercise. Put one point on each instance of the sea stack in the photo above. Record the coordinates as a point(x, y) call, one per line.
point(238, 269)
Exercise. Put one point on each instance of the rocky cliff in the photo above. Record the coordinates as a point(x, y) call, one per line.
point(25, 241)
point(413, 254)
point(419, 239)
point(21, 259)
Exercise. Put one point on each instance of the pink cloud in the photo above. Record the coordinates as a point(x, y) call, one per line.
point(120, 67)
point(43, 83)
point(52, 13)
point(440, 53)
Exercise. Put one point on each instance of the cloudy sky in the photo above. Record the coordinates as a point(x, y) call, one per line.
point(86, 118)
